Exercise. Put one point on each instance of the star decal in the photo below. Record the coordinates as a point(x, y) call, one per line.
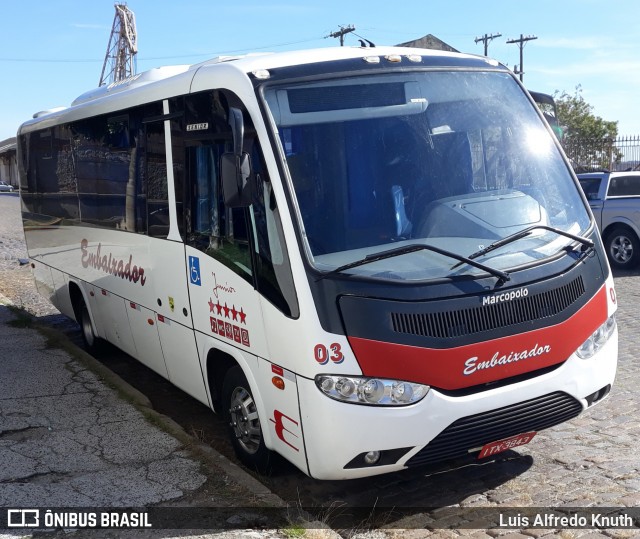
point(226, 310)
point(234, 313)
point(219, 308)
point(243, 316)
point(211, 305)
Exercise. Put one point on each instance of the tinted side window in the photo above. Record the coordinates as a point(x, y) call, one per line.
point(106, 171)
point(155, 180)
point(590, 186)
point(624, 186)
point(220, 232)
point(102, 152)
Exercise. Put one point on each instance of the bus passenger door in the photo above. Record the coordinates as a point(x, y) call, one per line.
point(235, 257)
point(173, 315)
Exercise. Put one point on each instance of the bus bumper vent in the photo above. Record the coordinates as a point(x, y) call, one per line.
point(477, 430)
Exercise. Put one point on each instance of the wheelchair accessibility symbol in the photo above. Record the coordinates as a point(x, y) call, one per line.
point(194, 271)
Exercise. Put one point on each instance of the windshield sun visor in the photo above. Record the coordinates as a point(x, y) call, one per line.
point(334, 102)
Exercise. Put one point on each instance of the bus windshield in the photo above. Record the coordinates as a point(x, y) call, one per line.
point(455, 160)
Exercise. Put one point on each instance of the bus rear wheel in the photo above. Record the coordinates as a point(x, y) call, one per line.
point(243, 422)
point(92, 342)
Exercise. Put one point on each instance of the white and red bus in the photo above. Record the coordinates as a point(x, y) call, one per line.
point(365, 259)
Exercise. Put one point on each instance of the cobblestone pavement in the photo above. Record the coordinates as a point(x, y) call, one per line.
point(588, 462)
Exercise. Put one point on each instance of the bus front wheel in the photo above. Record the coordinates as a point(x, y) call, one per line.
point(241, 415)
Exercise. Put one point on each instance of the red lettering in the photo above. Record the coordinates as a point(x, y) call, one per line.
point(83, 248)
point(110, 264)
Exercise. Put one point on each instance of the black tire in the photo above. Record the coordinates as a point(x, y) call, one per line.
point(92, 342)
point(623, 248)
point(242, 419)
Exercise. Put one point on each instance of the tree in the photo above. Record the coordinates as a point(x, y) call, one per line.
point(588, 140)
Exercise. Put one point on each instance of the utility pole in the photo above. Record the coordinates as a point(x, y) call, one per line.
point(486, 39)
point(341, 33)
point(521, 43)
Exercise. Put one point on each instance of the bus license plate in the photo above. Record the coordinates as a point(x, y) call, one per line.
point(494, 448)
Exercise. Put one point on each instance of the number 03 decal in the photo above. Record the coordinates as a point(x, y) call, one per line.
point(323, 354)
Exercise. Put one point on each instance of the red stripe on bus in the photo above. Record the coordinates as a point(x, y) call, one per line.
point(494, 360)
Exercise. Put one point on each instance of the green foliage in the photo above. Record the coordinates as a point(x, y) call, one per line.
point(294, 531)
point(588, 139)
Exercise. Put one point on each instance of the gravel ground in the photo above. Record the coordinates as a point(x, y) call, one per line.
point(16, 280)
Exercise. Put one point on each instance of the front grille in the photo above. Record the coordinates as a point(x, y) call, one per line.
point(477, 430)
point(469, 321)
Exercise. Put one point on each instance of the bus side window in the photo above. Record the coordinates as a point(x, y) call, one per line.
point(220, 232)
point(210, 227)
point(155, 181)
point(273, 270)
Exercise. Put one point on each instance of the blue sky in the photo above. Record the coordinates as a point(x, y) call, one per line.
point(52, 51)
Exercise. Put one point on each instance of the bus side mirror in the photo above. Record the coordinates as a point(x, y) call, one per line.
point(235, 168)
point(235, 171)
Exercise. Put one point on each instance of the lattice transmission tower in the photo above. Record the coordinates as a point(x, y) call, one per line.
point(120, 60)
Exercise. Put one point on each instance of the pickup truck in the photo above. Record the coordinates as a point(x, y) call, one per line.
point(614, 198)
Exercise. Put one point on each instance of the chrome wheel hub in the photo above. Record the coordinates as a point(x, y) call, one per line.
point(244, 420)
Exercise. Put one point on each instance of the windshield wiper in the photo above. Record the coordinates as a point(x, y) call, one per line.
point(586, 242)
point(374, 257)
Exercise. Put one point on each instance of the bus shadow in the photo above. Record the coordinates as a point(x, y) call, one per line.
point(449, 496)
point(409, 492)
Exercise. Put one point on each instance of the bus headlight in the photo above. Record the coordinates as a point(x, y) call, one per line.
point(374, 391)
point(598, 339)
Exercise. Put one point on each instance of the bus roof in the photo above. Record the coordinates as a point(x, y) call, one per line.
point(173, 80)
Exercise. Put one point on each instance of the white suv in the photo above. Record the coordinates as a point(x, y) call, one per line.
point(614, 198)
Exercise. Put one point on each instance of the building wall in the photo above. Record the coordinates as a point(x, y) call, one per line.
point(8, 162)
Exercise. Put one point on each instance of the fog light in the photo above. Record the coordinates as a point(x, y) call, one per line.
point(372, 457)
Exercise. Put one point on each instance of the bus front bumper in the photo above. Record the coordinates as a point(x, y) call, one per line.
point(339, 435)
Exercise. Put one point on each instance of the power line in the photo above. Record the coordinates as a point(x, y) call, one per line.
point(344, 30)
point(486, 39)
point(521, 43)
point(150, 58)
